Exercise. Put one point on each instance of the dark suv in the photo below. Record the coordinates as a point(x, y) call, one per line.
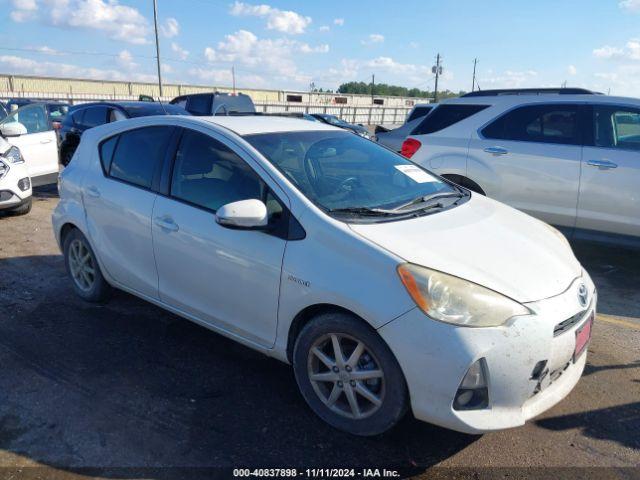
point(216, 103)
point(88, 115)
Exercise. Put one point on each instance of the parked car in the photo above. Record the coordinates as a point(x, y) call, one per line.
point(569, 158)
point(31, 129)
point(89, 115)
point(15, 185)
point(386, 287)
point(338, 122)
point(393, 138)
point(216, 103)
point(3, 111)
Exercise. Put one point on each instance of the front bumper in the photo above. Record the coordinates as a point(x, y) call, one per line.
point(15, 186)
point(435, 356)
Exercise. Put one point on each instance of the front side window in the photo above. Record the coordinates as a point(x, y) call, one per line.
point(338, 170)
point(137, 154)
point(553, 123)
point(208, 174)
point(617, 127)
point(446, 115)
point(32, 117)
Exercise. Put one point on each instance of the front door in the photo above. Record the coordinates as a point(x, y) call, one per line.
point(532, 155)
point(39, 144)
point(227, 278)
point(610, 185)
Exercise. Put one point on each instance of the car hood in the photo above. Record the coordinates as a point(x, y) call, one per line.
point(485, 242)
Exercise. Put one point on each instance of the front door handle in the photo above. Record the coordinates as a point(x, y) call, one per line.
point(93, 192)
point(602, 164)
point(167, 223)
point(48, 140)
point(496, 150)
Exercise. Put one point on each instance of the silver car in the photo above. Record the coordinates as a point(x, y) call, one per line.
point(393, 139)
point(569, 157)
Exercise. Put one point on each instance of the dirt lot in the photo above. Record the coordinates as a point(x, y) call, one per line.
point(129, 391)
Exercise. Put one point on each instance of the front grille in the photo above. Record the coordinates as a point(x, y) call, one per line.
point(562, 327)
point(5, 195)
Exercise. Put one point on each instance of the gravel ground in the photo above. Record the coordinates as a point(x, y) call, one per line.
point(127, 390)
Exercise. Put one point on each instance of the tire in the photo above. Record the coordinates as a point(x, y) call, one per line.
point(90, 285)
point(328, 392)
point(22, 209)
point(67, 155)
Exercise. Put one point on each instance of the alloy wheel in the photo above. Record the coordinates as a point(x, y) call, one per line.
point(81, 265)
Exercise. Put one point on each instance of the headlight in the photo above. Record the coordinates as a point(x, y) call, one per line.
point(453, 300)
point(14, 155)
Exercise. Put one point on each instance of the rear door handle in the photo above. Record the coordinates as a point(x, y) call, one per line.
point(93, 192)
point(602, 164)
point(167, 223)
point(496, 150)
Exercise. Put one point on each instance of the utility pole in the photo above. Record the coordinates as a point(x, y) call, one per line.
point(473, 83)
point(437, 69)
point(155, 23)
point(233, 76)
point(373, 84)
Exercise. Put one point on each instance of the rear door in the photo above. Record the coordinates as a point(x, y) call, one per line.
point(610, 185)
point(531, 157)
point(39, 145)
point(119, 200)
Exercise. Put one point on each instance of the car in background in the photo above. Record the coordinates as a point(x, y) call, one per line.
point(31, 128)
point(216, 103)
point(387, 288)
point(89, 115)
point(393, 138)
point(300, 115)
point(15, 184)
point(338, 122)
point(569, 157)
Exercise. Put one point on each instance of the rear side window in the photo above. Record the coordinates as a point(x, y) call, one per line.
point(138, 153)
point(94, 116)
point(106, 152)
point(418, 112)
point(552, 123)
point(199, 104)
point(446, 115)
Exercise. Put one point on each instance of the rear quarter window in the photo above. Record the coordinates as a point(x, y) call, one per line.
point(446, 115)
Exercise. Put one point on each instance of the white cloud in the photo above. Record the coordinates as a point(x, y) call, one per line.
point(607, 52)
point(630, 51)
point(630, 5)
point(179, 51)
point(21, 65)
point(572, 70)
point(284, 21)
point(338, 21)
point(324, 28)
point(509, 79)
point(275, 57)
point(46, 50)
point(414, 44)
point(118, 22)
point(125, 60)
point(373, 38)
point(170, 28)
point(391, 70)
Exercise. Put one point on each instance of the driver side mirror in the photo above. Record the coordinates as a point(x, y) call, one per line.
point(12, 129)
point(248, 214)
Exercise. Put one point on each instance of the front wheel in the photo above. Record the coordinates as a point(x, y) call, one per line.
point(22, 209)
point(83, 269)
point(348, 375)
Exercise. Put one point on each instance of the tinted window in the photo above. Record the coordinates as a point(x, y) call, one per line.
point(446, 115)
point(617, 127)
point(418, 112)
point(106, 152)
point(208, 174)
point(199, 104)
point(342, 170)
point(138, 153)
point(553, 123)
point(94, 116)
point(77, 116)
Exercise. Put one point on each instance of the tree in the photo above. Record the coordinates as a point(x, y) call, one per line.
point(384, 89)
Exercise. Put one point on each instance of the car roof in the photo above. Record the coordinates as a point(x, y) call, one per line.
point(507, 100)
point(250, 124)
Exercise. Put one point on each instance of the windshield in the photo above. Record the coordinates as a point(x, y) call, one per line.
point(339, 170)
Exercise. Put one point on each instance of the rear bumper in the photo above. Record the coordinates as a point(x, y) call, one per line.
point(435, 357)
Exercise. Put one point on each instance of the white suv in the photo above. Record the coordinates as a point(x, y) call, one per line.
point(568, 157)
point(385, 287)
point(15, 184)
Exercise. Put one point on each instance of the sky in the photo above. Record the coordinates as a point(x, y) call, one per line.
point(292, 44)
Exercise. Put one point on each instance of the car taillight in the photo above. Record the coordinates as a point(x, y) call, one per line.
point(409, 147)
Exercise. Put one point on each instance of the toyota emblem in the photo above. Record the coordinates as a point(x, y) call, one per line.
point(583, 295)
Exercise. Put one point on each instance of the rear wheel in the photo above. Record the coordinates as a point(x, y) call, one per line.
point(348, 375)
point(83, 268)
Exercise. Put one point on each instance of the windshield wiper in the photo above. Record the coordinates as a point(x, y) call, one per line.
point(364, 211)
point(428, 198)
